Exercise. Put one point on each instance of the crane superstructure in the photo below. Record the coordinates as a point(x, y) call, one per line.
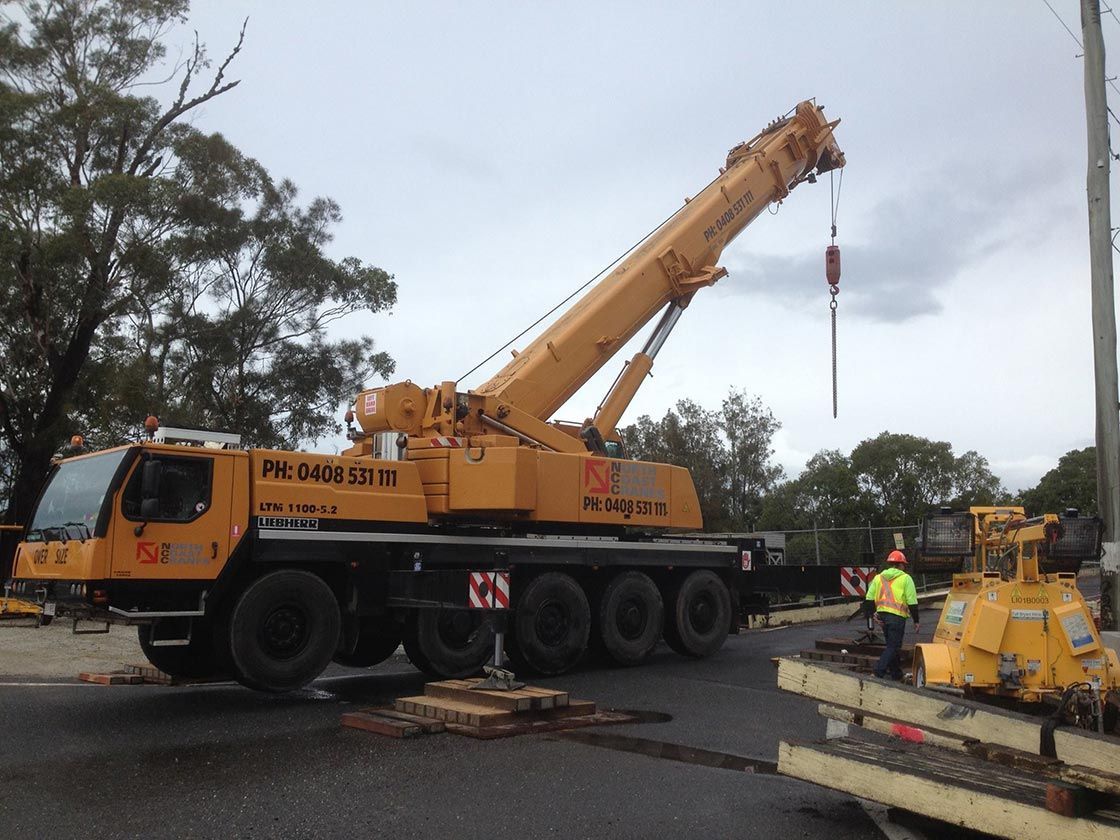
point(511, 411)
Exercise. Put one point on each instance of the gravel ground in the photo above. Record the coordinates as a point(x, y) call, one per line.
point(54, 652)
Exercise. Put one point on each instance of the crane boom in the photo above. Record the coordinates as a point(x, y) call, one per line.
point(669, 266)
point(660, 275)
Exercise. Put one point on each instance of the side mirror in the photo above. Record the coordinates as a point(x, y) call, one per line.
point(149, 493)
point(149, 481)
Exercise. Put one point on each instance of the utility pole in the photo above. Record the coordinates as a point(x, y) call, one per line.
point(1104, 308)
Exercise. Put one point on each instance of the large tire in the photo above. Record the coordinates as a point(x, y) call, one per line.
point(283, 630)
point(192, 661)
point(551, 624)
point(378, 639)
point(700, 615)
point(629, 617)
point(449, 644)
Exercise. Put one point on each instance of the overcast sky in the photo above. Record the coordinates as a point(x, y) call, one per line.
point(494, 156)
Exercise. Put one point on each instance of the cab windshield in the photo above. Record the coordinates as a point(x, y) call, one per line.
point(71, 503)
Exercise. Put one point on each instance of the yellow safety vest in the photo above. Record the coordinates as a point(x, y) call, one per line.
point(890, 595)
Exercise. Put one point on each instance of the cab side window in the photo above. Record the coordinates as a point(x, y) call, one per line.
point(184, 489)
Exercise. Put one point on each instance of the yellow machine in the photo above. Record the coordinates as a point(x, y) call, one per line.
point(268, 564)
point(1015, 624)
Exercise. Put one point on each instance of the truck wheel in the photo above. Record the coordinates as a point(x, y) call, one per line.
point(449, 644)
point(551, 624)
point(629, 617)
point(919, 669)
point(700, 615)
point(378, 639)
point(189, 661)
point(283, 630)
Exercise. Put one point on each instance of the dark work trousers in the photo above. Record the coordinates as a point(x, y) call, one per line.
point(894, 627)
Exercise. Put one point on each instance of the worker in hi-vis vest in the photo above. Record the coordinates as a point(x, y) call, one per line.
point(892, 598)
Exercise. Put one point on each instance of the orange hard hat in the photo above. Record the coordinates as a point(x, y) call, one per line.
point(897, 556)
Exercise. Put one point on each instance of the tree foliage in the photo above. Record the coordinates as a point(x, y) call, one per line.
point(147, 266)
point(891, 479)
point(728, 452)
point(1071, 484)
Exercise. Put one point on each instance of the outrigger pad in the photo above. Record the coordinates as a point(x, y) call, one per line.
point(497, 679)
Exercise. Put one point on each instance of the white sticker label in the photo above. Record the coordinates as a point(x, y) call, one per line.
point(1092, 664)
point(370, 406)
point(992, 596)
point(1028, 615)
point(955, 614)
point(1077, 630)
point(49, 608)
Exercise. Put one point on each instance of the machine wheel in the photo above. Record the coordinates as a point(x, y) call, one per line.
point(450, 644)
point(283, 630)
point(551, 624)
point(629, 616)
point(919, 669)
point(378, 639)
point(1112, 713)
point(197, 659)
point(700, 615)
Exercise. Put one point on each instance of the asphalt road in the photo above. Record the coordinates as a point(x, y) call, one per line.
point(222, 761)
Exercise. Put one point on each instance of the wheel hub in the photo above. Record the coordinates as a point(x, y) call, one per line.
point(630, 619)
point(457, 629)
point(702, 612)
point(284, 632)
point(552, 623)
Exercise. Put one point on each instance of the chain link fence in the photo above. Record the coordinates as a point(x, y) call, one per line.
point(853, 546)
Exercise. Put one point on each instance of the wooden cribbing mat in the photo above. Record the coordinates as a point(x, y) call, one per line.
point(114, 678)
point(958, 789)
point(519, 700)
point(474, 714)
point(391, 723)
point(933, 710)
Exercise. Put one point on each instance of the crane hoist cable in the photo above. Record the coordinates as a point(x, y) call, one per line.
point(603, 271)
point(832, 272)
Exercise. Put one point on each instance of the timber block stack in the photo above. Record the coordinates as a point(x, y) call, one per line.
point(111, 678)
point(454, 706)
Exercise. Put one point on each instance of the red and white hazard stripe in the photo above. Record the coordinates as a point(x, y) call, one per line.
point(854, 580)
point(488, 591)
point(446, 442)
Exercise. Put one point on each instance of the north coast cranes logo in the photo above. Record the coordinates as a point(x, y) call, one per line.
point(624, 487)
point(622, 478)
point(171, 554)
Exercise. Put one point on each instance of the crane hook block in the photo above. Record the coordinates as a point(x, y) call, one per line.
point(832, 264)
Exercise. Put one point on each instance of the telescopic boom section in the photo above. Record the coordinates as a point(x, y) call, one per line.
point(668, 267)
point(660, 275)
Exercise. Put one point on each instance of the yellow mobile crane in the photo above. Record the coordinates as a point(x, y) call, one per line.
point(1015, 624)
point(268, 564)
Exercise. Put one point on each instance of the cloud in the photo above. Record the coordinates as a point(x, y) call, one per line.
point(911, 245)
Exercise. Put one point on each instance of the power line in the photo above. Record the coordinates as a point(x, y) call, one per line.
point(1076, 40)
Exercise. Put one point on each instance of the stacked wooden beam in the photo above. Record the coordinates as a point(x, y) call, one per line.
point(464, 710)
point(953, 759)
